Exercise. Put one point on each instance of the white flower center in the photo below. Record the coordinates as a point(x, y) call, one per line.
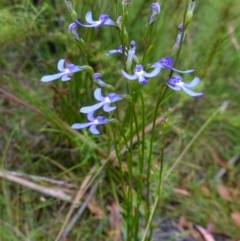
point(107, 100)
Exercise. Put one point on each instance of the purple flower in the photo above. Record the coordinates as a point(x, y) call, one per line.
point(131, 54)
point(97, 79)
point(155, 12)
point(115, 51)
point(72, 29)
point(179, 36)
point(93, 122)
point(104, 101)
point(176, 83)
point(140, 74)
point(167, 64)
point(103, 20)
point(65, 72)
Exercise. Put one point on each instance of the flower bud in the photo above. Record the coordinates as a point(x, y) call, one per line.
point(189, 15)
point(155, 12)
point(72, 29)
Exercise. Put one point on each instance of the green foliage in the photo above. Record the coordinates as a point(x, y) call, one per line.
point(32, 39)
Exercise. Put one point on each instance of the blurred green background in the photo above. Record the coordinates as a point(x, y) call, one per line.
point(34, 36)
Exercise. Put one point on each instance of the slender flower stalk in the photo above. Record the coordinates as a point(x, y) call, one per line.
point(65, 73)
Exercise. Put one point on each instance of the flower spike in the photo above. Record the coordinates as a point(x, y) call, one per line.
point(93, 123)
point(103, 102)
point(65, 72)
point(140, 74)
point(176, 83)
point(103, 20)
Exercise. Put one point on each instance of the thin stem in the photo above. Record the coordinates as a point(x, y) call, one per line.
point(159, 101)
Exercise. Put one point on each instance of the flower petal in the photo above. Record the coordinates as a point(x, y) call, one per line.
point(65, 77)
point(191, 93)
point(84, 25)
point(90, 116)
point(128, 76)
point(94, 129)
point(80, 125)
point(98, 94)
point(183, 71)
point(48, 78)
point(89, 18)
point(173, 87)
point(109, 22)
point(108, 108)
point(92, 108)
point(192, 84)
point(155, 72)
point(60, 65)
point(114, 51)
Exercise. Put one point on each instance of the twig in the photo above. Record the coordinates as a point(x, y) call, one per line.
point(80, 210)
point(230, 162)
point(43, 179)
point(57, 193)
point(13, 98)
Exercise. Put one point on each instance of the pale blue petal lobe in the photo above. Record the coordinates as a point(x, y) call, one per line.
point(80, 125)
point(90, 116)
point(89, 18)
point(94, 129)
point(48, 78)
point(65, 77)
point(92, 108)
point(183, 71)
point(155, 72)
point(128, 76)
point(191, 93)
point(173, 87)
point(60, 65)
point(108, 108)
point(192, 84)
point(98, 94)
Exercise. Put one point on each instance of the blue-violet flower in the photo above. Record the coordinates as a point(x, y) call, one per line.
point(179, 36)
point(167, 64)
point(93, 123)
point(140, 74)
point(65, 72)
point(176, 83)
point(72, 29)
point(155, 12)
point(115, 51)
point(104, 101)
point(103, 20)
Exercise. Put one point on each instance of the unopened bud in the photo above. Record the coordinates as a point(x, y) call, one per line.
point(190, 10)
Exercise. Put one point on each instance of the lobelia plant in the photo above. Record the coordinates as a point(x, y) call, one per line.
point(133, 121)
